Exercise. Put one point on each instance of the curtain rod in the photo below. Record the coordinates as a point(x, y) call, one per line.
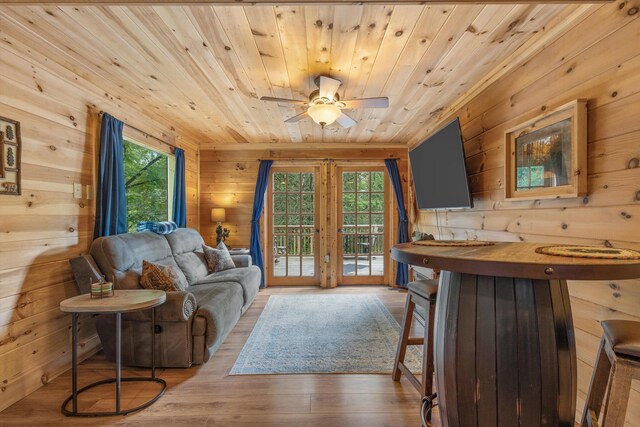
point(173, 147)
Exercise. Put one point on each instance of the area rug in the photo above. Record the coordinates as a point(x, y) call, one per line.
point(304, 334)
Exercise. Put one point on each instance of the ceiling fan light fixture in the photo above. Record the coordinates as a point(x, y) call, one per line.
point(324, 114)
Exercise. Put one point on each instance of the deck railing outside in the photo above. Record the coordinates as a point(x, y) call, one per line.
point(300, 240)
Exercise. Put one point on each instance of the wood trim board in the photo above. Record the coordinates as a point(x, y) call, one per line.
point(291, 2)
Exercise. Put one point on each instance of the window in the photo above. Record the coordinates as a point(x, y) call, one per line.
point(149, 179)
point(530, 177)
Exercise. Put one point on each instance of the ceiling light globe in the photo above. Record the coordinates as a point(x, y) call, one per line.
point(324, 114)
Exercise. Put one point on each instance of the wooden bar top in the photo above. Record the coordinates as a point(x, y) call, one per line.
point(515, 259)
point(122, 301)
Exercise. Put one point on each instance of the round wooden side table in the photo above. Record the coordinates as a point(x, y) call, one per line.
point(123, 301)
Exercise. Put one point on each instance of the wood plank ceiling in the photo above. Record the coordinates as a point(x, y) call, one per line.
point(202, 69)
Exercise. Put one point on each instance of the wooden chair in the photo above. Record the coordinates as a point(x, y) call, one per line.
point(422, 293)
point(617, 363)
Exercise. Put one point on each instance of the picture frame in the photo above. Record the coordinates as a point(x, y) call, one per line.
point(546, 157)
point(10, 157)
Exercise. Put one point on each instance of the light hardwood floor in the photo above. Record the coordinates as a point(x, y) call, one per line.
point(206, 396)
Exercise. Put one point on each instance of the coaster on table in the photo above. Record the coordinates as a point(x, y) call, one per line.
point(452, 243)
point(593, 252)
point(101, 290)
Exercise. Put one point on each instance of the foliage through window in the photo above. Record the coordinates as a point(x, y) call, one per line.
point(530, 177)
point(294, 223)
point(362, 220)
point(148, 177)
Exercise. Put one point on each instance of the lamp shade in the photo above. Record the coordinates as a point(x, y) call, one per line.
point(218, 215)
point(324, 114)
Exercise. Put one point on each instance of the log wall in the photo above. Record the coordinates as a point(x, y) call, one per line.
point(599, 60)
point(45, 226)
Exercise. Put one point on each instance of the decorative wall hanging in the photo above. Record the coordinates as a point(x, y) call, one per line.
point(11, 146)
point(547, 157)
point(593, 252)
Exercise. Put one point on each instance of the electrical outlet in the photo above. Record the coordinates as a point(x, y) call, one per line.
point(89, 192)
point(77, 190)
point(326, 259)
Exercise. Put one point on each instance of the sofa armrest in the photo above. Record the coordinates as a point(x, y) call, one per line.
point(179, 307)
point(242, 260)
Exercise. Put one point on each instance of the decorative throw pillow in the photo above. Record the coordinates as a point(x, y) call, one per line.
point(160, 277)
point(218, 258)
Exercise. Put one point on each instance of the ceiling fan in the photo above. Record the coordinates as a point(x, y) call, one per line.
point(325, 106)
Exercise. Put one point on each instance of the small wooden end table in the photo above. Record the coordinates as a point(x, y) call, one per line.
point(123, 301)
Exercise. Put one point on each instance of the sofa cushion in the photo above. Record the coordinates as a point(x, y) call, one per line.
point(161, 277)
point(218, 258)
point(120, 257)
point(220, 305)
point(247, 277)
point(186, 247)
point(242, 260)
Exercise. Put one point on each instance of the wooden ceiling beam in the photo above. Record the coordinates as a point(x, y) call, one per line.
point(283, 2)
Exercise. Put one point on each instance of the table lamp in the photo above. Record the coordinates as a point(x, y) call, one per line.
point(219, 215)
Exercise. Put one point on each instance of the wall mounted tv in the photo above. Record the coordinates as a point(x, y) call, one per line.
point(439, 172)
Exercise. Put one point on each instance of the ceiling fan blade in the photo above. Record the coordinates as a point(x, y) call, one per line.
point(291, 101)
point(345, 121)
point(328, 87)
point(367, 103)
point(297, 118)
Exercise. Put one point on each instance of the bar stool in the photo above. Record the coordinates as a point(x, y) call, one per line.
point(617, 363)
point(422, 293)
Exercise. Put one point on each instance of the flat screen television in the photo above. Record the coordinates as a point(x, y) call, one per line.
point(439, 172)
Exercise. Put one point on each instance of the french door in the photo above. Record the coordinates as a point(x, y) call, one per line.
point(362, 223)
point(292, 226)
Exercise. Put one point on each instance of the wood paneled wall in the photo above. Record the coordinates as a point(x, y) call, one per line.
point(45, 226)
point(599, 59)
point(228, 179)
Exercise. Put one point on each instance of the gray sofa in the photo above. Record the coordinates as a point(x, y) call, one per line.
point(191, 324)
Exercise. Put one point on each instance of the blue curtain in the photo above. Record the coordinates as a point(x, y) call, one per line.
point(402, 275)
point(255, 249)
point(179, 191)
point(111, 200)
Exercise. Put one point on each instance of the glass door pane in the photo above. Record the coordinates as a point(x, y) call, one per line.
point(293, 227)
point(362, 226)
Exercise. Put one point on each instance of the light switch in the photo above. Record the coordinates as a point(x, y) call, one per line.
point(77, 191)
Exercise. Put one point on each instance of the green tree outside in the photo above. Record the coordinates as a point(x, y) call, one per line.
point(146, 184)
point(294, 205)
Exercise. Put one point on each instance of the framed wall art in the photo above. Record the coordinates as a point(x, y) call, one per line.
point(546, 157)
point(10, 157)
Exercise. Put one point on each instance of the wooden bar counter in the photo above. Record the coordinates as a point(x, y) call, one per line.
point(504, 340)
